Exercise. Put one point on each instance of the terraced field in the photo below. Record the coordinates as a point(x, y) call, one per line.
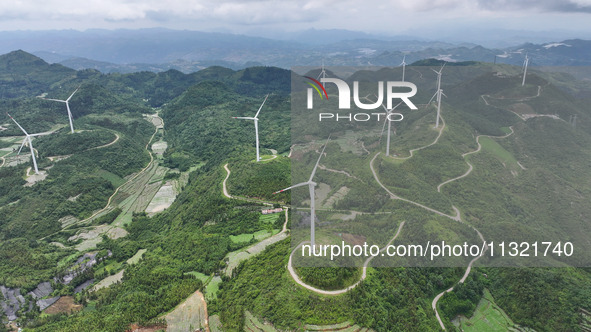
point(252, 323)
point(188, 316)
point(488, 317)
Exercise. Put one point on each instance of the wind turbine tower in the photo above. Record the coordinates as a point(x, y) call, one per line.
point(27, 139)
point(311, 186)
point(403, 64)
point(67, 102)
point(322, 73)
point(525, 63)
point(388, 112)
point(256, 125)
point(438, 93)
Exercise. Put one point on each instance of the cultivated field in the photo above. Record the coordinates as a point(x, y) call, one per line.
point(64, 305)
point(189, 315)
point(136, 258)
point(488, 317)
point(108, 281)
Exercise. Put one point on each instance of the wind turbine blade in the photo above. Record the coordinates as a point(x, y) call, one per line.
point(393, 108)
point(22, 144)
point(318, 161)
point(430, 100)
point(70, 116)
point(39, 134)
point(24, 131)
point(61, 101)
point(243, 117)
point(33, 155)
point(443, 94)
point(294, 186)
point(72, 94)
point(267, 96)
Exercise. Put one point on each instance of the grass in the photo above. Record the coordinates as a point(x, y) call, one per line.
point(215, 325)
point(203, 277)
point(246, 237)
point(163, 199)
point(115, 179)
point(112, 266)
point(136, 258)
point(212, 288)
point(136, 195)
point(490, 145)
point(265, 158)
point(68, 260)
point(251, 323)
point(108, 281)
point(487, 317)
point(187, 316)
point(269, 218)
point(235, 257)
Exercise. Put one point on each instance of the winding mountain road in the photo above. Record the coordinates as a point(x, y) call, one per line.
point(470, 167)
point(261, 245)
point(299, 281)
point(109, 201)
point(425, 146)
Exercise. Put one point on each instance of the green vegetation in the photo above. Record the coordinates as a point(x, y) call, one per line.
point(487, 317)
point(64, 143)
point(259, 180)
point(252, 237)
point(189, 245)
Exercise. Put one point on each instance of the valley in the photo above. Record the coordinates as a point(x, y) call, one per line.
point(150, 215)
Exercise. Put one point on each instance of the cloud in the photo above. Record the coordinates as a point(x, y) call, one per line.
point(559, 6)
point(235, 14)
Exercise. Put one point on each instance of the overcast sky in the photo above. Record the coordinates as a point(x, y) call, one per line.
point(266, 17)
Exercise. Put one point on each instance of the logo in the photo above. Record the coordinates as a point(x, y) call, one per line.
point(316, 88)
point(344, 92)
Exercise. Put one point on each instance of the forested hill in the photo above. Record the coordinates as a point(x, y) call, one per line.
point(191, 242)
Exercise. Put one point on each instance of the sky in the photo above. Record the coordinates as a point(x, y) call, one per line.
point(269, 18)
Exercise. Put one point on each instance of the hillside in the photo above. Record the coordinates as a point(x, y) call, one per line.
point(507, 163)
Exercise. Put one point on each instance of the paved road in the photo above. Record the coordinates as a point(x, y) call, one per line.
point(394, 196)
point(108, 144)
point(261, 245)
point(470, 167)
point(457, 217)
point(118, 188)
point(426, 146)
point(297, 279)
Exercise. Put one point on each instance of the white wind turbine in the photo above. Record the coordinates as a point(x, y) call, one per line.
point(403, 64)
point(388, 112)
point(438, 93)
point(311, 184)
point(322, 73)
point(67, 102)
point(256, 125)
point(525, 63)
point(28, 139)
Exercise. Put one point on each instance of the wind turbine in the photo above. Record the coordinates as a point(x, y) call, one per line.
point(256, 125)
point(67, 102)
point(27, 139)
point(322, 73)
point(388, 112)
point(438, 93)
point(403, 64)
point(525, 63)
point(311, 184)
